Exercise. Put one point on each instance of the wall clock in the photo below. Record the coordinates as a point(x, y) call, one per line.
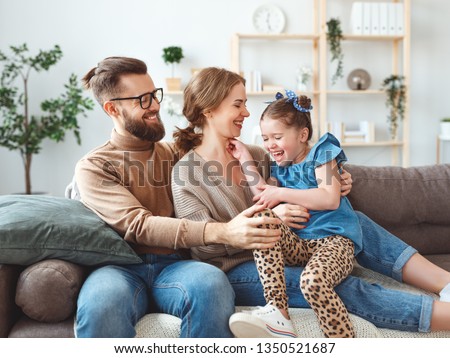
point(269, 19)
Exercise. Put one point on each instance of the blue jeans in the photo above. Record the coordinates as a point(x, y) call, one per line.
point(385, 308)
point(114, 298)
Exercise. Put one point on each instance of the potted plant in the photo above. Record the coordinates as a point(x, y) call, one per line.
point(334, 38)
point(171, 56)
point(19, 129)
point(395, 90)
point(445, 127)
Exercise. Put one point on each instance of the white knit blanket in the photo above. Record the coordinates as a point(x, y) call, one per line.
point(160, 325)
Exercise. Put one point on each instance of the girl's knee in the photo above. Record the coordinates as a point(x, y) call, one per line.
point(265, 212)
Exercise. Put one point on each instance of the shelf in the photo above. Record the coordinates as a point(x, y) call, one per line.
point(362, 92)
point(272, 93)
point(351, 37)
point(400, 64)
point(373, 144)
point(277, 37)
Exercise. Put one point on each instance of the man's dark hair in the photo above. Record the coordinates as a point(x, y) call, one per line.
point(104, 80)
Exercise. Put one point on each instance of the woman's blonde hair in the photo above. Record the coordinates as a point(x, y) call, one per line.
point(204, 92)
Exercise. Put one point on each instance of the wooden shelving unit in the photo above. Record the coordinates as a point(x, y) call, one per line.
point(400, 49)
point(320, 92)
point(313, 39)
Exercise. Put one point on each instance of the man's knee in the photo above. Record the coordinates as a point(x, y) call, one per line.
point(209, 278)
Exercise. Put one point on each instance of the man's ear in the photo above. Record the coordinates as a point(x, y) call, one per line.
point(110, 108)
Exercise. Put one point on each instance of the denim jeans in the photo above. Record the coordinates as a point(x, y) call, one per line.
point(114, 298)
point(385, 308)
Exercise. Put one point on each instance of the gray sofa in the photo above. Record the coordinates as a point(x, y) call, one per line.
point(412, 203)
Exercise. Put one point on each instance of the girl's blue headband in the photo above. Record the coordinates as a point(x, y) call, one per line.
point(293, 98)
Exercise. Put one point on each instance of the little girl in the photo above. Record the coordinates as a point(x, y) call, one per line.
point(326, 246)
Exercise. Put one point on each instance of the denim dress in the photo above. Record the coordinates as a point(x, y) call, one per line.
point(342, 221)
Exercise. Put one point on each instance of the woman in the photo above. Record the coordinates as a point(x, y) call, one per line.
point(209, 185)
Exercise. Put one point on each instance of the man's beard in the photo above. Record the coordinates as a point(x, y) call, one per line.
point(139, 128)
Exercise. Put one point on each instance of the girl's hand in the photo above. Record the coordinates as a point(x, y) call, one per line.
point(269, 196)
point(238, 150)
point(346, 182)
point(292, 215)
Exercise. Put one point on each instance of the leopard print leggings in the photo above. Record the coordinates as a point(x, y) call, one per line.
point(326, 262)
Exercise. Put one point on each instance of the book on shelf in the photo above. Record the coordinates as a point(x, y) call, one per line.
point(356, 18)
point(369, 130)
point(367, 17)
point(253, 80)
point(392, 19)
point(383, 12)
point(336, 128)
point(272, 88)
point(374, 18)
point(398, 9)
point(365, 133)
point(377, 18)
point(353, 138)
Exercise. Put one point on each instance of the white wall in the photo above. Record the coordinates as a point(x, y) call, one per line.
point(90, 30)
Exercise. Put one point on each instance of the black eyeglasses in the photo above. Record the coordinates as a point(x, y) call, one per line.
point(145, 100)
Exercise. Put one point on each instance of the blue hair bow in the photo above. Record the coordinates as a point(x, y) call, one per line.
point(293, 98)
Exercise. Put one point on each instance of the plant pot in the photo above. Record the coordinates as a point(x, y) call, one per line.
point(173, 84)
point(445, 129)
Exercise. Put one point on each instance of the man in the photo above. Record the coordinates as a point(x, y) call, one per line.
point(126, 182)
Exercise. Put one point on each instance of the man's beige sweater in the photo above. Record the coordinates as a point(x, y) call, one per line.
point(201, 194)
point(126, 182)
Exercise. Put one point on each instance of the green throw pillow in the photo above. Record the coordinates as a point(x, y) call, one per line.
point(37, 227)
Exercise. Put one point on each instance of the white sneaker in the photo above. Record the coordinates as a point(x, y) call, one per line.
point(263, 322)
point(444, 295)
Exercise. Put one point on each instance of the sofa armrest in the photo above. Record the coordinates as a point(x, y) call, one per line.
point(9, 312)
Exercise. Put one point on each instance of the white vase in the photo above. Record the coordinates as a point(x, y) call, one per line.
point(445, 129)
point(301, 87)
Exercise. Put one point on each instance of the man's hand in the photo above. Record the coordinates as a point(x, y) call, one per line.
point(292, 215)
point(245, 231)
point(346, 182)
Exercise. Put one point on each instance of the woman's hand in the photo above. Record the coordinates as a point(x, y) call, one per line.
point(292, 215)
point(346, 182)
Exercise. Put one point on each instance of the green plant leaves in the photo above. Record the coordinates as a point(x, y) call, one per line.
point(172, 55)
point(395, 90)
point(21, 131)
point(334, 38)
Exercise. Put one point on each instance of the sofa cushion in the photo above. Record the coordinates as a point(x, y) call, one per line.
point(38, 227)
point(412, 203)
point(48, 290)
point(28, 328)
